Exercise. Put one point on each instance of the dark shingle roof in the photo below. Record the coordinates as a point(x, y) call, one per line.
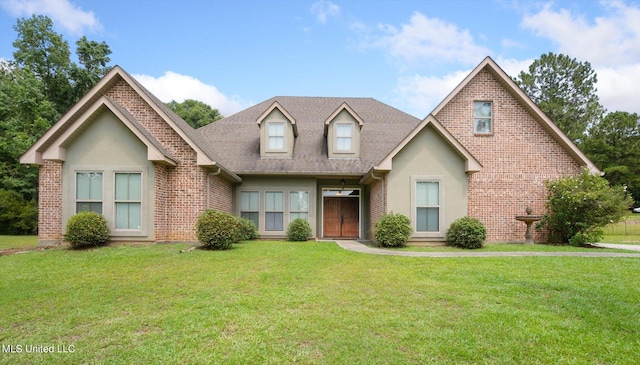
point(235, 140)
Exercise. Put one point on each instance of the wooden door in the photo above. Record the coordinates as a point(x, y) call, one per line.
point(331, 217)
point(341, 217)
point(350, 217)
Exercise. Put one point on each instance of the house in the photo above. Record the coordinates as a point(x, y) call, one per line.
point(485, 151)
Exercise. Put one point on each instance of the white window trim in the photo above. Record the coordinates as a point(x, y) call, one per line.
point(142, 203)
point(441, 214)
point(75, 190)
point(284, 202)
point(108, 197)
point(268, 147)
point(335, 138)
point(286, 217)
point(289, 210)
point(490, 119)
point(240, 211)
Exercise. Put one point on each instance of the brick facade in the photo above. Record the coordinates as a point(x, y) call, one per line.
point(377, 203)
point(161, 206)
point(50, 202)
point(517, 158)
point(220, 194)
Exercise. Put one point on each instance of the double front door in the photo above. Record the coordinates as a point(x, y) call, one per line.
point(341, 217)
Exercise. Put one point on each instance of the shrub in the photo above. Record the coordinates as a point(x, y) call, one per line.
point(299, 230)
point(393, 230)
point(217, 230)
point(466, 232)
point(87, 229)
point(580, 206)
point(246, 229)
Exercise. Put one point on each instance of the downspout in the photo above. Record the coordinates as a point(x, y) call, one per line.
point(209, 184)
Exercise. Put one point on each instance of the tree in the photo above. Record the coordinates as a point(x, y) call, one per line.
point(43, 51)
point(47, 55)
point(94, 57)
point(25, 115)
point(194, 112)
point(565, 90)
point(614, 146)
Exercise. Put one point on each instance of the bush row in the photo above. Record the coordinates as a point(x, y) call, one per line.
point(394, 230)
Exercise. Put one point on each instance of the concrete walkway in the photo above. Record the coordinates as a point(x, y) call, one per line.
point(360, 247)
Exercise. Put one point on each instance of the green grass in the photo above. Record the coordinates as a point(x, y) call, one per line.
point(18, 242)
point(505, 247)
point(622, 239)
point(628, 226)
point(315, 303)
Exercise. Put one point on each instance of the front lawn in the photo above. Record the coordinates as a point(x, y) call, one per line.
point(314, 303)
point(504, 247)
point(18, 242)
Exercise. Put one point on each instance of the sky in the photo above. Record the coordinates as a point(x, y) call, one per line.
point(408, 54)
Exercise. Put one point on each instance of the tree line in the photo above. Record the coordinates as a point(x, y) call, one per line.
point(41, 83)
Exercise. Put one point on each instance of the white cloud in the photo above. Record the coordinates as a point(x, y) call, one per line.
point(324, 9)
point(63, 13)
point(512, 66)
point(619, 88)
point(174, 86)
point(434, 39)
point(611, 39)
point(422, 94)
point(610, 42)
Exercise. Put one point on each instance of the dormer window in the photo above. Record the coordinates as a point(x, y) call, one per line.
point(342, 130)
point(344, 137)
point(278, 131)
point(276, 136)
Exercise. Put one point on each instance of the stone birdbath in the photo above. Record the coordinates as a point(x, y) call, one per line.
point(528, 220)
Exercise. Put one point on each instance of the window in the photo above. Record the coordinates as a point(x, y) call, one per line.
point(344, 136)
point(299, 205)
point(276, 136)
point(427, 206)
point(89, 192)
point(273, 205)
point(250, 206)
point(128, 200)
point(482, 117)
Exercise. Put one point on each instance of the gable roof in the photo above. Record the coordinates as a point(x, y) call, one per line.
point(76, 117)
point(505, 80)
point(349, 110)
point(471, 164)
point(284, 112)
point(236, 140)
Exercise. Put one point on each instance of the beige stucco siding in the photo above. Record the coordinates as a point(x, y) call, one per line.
point(108, 146)
point(428, 156)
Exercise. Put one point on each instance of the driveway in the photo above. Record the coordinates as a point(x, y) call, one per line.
point(360, 247)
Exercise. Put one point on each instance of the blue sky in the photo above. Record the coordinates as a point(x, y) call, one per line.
point(409, 54)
